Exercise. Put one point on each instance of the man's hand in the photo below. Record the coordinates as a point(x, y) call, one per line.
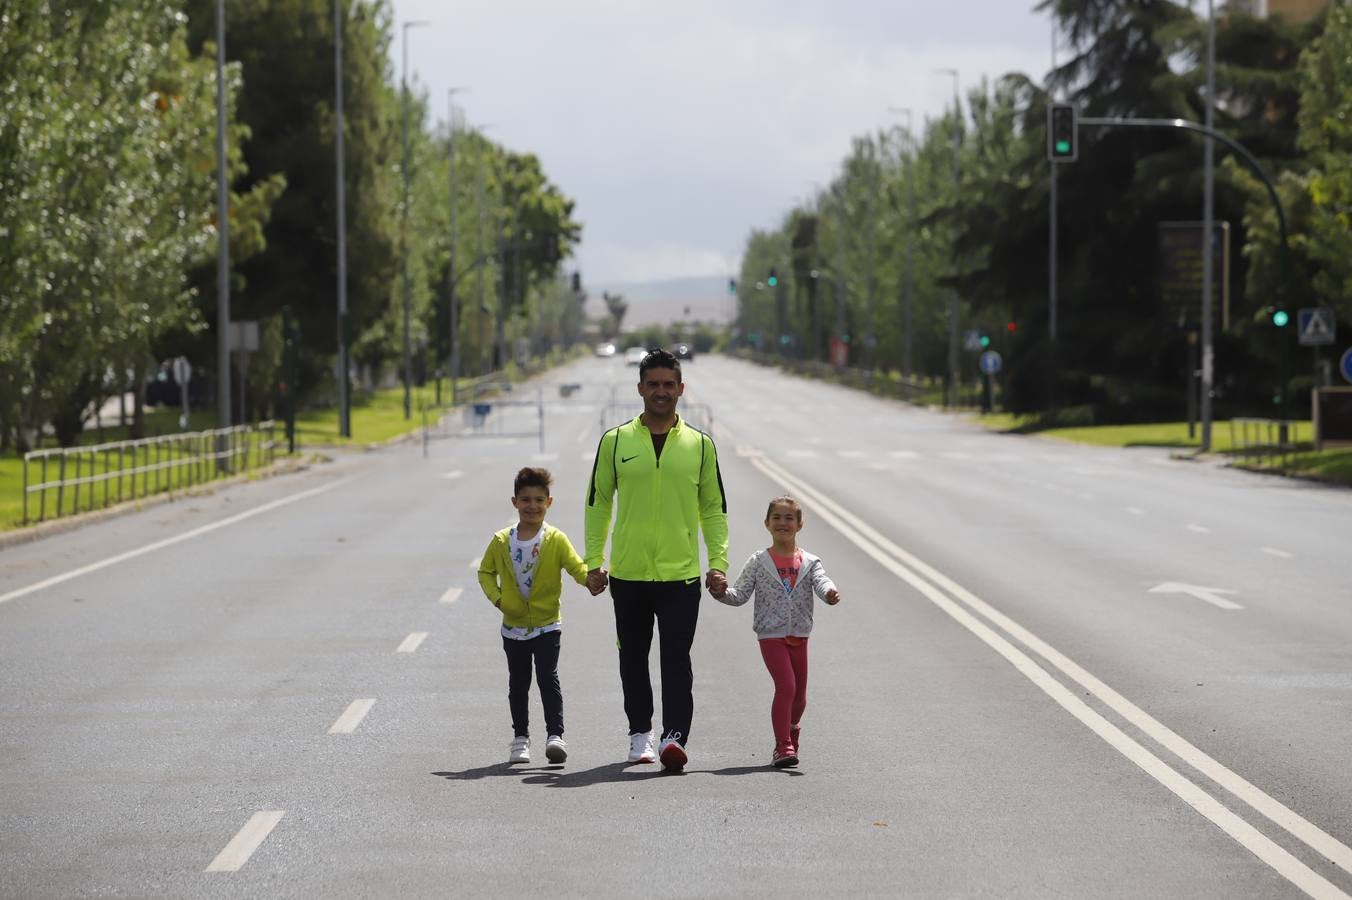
point(717, 583)
point(597, 580)
point(833, 596)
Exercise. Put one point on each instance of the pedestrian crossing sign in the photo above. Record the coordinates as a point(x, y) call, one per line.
point(1316, 325)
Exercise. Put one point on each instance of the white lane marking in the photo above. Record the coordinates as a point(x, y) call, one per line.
point(412, 642)
point(1200, 529)
point(544, 457)
point(178, 538)
point(352, 716)
point(851, 454)
point(474, 563)
point(1209, 594)
point(744, 451)
point(452, 594)
point(243, 844)
point(956, 454)
point(903, 454)
point(585, 433)
point(456, 474)
point(589, 456)
point(1280, 554)
point(887, 554)
point(1134, 510)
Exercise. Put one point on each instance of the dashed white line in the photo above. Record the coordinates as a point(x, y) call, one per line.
point(412, 642)
point(851, 454)
point(243, 844)
point(453, 594)
point(903, 454)
point(1200, 529)
point(1280, 554)
point(456, 474)
point(544, 457)
point(1134, 510)
point(352, 716)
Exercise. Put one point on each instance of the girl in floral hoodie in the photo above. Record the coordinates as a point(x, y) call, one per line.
point(784, 579)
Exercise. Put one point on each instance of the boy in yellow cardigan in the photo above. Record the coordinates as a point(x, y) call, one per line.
point(519, 574)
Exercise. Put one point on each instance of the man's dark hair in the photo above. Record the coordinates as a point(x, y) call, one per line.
point(659, 359)
point(532, 477)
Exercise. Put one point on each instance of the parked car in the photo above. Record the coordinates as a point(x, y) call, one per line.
point(634, 355)
point(605, 349)
point(683, 351)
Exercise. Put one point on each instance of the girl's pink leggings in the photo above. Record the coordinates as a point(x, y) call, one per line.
point(788, 667)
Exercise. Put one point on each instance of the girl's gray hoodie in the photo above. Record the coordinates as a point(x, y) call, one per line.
point(779, 613)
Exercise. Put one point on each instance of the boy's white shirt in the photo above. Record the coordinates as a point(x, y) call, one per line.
point(777, 612)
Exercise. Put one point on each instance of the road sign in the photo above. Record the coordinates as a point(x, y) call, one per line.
point(990, 362)
point(182, 371)
point(1345, 365)
point(1316, 326)
point(971, 340)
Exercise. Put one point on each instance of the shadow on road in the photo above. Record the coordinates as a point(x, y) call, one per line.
point(611, 773)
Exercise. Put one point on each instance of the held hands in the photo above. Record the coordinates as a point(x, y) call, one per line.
point(717, 584)
point(833, 596)
point(597, 581)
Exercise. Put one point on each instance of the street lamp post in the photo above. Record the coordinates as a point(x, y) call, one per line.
point(403, 233)
point(340, 190)
point(453, 313)
point(1208, 250)
point(953, 370)
point(222, 238)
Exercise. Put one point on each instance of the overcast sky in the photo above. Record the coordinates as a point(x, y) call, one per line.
point(680, 126)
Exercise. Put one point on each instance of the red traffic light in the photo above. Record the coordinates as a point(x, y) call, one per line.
point(1011, 326)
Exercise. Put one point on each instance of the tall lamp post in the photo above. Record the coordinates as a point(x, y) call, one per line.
point(222, 240)
point(1208, 246)
point(953, 369)
point(453, 312)
point(403, 233)
point(340, 190)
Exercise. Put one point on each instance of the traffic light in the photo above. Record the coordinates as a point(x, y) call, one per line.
point(577, 282)
point(1011, 326)
point(732, 285)
point(773, 279)
point(1062, 130)
point(1280, 318)
point(985, 341)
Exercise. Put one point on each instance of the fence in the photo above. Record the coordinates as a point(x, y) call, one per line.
point(106, 474)
point(1266, 443)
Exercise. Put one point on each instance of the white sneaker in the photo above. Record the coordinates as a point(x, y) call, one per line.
point(641, 748)
point(556, 751)
point(519, 752)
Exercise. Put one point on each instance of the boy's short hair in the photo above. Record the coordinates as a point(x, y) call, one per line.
point(659, 359)
point(787, 501)
point(531, 476)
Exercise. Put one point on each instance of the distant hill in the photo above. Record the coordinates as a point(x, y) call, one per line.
point(704, 299)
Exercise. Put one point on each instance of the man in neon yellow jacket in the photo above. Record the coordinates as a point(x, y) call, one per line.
point(670, 490)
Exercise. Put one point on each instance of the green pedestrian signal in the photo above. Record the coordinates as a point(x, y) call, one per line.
point(773, 279)
point(1280, 318)
point(985, 341)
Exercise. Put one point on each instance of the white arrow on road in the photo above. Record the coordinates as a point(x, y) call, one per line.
point(1209, 594)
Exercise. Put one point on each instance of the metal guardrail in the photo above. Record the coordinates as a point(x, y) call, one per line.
point(129, 470)
point(1263, 442)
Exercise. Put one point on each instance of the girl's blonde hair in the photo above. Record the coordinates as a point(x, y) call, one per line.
point(787, 501)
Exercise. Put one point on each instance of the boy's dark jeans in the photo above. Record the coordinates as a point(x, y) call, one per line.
point(675, 606)
point(545, 652)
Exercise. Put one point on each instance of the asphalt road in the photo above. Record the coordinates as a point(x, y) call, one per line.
point(1058, 671)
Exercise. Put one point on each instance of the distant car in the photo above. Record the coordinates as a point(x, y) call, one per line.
point(634, 355)
point(683, 351)
point(605, 349)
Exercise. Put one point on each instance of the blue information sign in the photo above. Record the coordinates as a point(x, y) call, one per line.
point(990, 362)
point(1345, 365)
